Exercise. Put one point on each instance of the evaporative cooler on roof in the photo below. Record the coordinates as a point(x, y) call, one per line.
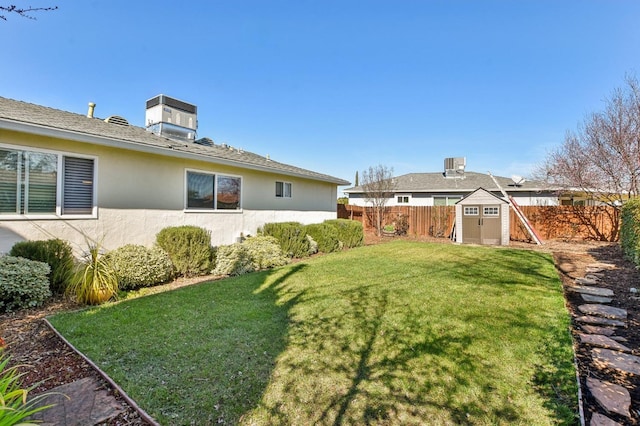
point(454, 166)
point(172, 118)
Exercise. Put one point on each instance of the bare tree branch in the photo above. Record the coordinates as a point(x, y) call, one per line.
point(25, 12)
point(602, 158)
point(378, 186)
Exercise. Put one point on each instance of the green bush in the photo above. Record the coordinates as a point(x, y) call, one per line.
point(350, 232)
point(265, 252)
point(233, 259)
point(291, 237)
point(56, 253)
point(24, 283)
point(138, 266)
point(325, 235)
point(630, 230)
point(189, 248)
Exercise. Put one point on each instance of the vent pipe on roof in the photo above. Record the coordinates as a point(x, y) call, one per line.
point(92, 107)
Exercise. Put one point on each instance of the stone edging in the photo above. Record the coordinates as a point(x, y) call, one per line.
point(143, 414)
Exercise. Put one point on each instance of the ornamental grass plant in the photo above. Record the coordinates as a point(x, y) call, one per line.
point(15, 406)
point(94, 281)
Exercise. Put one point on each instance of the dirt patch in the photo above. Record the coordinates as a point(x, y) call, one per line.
point(48, 362)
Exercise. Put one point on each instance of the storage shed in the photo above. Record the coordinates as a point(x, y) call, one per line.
point(482, 218)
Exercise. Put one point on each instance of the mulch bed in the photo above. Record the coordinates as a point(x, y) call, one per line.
point(47, 362)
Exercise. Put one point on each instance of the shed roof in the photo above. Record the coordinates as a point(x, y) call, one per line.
point(437, 182)
point(36, 119)
point(482, 194)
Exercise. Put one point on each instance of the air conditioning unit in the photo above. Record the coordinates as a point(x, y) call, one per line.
point(171, 118)
point(454, 166)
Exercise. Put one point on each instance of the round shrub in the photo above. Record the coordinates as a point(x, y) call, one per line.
point(265, 252)
point(350, 232)
point(24, 283)
point(189, 248)
point(325, 235)
point(56, 253)
point(138, 266)
point(233, 259)
point(291, 237)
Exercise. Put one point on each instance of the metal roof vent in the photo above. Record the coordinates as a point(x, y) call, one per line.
point(116, 119)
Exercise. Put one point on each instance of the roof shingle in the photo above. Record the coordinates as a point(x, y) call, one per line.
point(78, 126)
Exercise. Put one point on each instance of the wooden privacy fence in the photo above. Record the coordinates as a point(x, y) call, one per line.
point(552, 222)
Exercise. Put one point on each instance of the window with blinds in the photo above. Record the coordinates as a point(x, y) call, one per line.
point(30, 180)
point(77, 186)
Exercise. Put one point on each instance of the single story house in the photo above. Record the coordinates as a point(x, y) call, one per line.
point(80, 178)
point(448, 187)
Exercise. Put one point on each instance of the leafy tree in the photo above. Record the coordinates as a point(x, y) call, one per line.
point(601, 159)
point(25, 12)
point(378, 187)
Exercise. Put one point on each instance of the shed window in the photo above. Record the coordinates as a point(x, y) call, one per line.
point(471, 211)
point(491, 211)
point(403, 199)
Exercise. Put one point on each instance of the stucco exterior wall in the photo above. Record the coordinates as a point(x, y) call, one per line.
point(138, 194)
point(116, 228)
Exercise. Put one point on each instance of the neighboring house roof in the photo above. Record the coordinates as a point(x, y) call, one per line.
point(437, 182)
point(35, 119)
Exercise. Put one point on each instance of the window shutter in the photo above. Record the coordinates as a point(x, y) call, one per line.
point(77, 186)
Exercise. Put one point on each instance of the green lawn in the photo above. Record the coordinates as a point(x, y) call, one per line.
point(397, 333)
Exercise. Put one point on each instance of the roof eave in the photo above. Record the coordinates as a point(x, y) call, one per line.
point(169, 151)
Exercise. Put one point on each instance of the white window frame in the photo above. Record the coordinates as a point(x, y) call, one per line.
point(285, 184)
point(471, 211)
point(491, 211)
point(403, 198)
point(215, 191)
point(59, 190)
point(449, 200)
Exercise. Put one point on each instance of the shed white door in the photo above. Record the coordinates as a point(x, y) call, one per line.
point(481, 224)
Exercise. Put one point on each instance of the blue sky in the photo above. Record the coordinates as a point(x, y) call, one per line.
point(336, 86)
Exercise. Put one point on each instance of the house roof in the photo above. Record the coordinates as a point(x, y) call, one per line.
point(470, 181)
point(36, 119)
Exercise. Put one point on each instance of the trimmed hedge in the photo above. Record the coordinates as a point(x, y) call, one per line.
point(630, 230)
point(265, 252)
point(326, 235)
point(138, 266)
point(350, 232)
point(253, 254)
point(56, 253)
point(290, 235)
point(189, 248)
point(24, 283)
point(233, 260)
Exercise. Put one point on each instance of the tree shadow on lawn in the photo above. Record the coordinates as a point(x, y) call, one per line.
point(201, 354)
point(379, 363)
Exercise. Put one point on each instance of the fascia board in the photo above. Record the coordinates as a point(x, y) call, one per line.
point(141, 147)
